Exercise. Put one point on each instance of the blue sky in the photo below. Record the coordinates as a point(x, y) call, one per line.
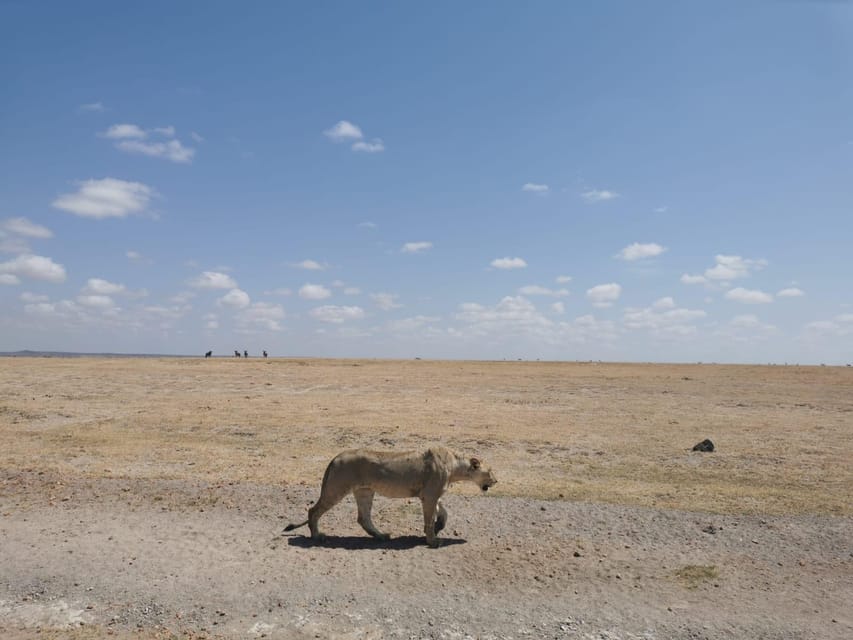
point(655, 181)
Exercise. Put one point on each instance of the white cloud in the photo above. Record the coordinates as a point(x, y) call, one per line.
point(745, 329)
point(839, 326)
point(688, 279)
point(282, 291)
point(336, 314)
point(310, 265)
point(92, 107)
point(792, 292)
point(33, 267)
point(374, 146)
point(96, 301)
point(106, 198)
point(733, 267)
point(663, 319)
point(213, 280)
point(639, 251)
point(416, 247)
point(132, 139)
point(262, 315)
point(342, 131)
point(122, 131)
point(352, 291)
point(513, 314)
point(172, 150)
point(367, 224)
point(27, 296)
point(23, 227)
point(536, 290)
point(558, 307)
point(196, 137)
point(169, 131)
point(235, 299)
point(9, 279)
point(97, 286)
point(509, 263)
point(532, 187)
point(563, 279)
point(314, 292)
point(661, 209)
point(386, 301)
point(604, 295)
point(748, 296)
point(596, 195)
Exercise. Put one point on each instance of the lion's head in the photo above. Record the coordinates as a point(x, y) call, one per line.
point(481, 476)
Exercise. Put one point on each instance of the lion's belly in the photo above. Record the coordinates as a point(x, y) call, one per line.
point(395, 491)
point(388, 482)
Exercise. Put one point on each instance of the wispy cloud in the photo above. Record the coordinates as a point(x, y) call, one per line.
point(92, 107)
point(134, 139)
point(310, 265)
point(693, 279)
point(532, 187)
point(637, 251)
point(749, 296)
point(26, 228)
point(337, 314)
point(733, 267)
point(791, 292)
point(342, 131)
point(598, 195)
point(32, 267)
point(213, 280)
point(536, 290)
point(604, 295)
point(509, 263)
point(106, 198)
point(122, 131)
point(171, 150)
point(261, 316)
point(314, 292)
point(346, 131)
point(386, 301)
point(374, 146)
point(416, 247)
point(235, 299)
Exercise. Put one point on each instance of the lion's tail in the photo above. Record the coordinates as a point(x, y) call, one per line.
point(295, 525)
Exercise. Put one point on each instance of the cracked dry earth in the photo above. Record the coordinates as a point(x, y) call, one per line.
point(112, 557)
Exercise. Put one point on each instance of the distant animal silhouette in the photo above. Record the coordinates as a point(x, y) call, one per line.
point(265, 353)
point(245, 354)
point(207, 354)
point(236, 353)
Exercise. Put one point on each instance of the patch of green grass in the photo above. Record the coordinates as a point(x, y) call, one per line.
point(694, 575)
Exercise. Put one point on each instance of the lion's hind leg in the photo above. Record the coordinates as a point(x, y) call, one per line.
point(441, 518)
point(326, 501)
point(364, 500)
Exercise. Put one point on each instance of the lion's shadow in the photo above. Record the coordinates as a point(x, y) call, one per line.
point(364, 542)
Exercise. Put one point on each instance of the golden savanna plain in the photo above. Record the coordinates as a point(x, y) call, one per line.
point(592, 432)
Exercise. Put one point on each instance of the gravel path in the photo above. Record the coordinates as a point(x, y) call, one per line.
point(119, 556)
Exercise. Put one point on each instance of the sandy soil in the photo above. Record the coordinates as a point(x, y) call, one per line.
point(146, 498)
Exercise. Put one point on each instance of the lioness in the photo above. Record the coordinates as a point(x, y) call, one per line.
point(406, 474)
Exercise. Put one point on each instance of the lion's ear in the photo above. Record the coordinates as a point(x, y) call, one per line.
point(475, 463)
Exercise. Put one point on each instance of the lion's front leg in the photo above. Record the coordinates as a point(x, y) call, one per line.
point(430, 506)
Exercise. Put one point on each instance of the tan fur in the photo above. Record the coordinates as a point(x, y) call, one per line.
point(408, 474)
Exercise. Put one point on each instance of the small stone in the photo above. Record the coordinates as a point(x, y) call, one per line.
point(577, 554)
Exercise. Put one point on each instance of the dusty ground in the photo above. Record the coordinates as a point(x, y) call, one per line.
point(146, 498)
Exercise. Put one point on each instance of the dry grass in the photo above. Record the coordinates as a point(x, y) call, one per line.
point(619, 433)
